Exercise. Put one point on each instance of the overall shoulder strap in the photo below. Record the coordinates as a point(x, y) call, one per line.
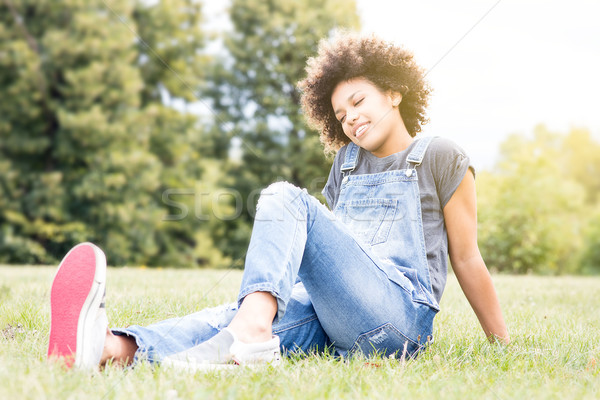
point(418, 152)
point(350, 159)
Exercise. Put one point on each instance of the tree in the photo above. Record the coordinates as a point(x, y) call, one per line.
point(531, 208)
point(87, 143)
point(590, 257)
point(582, 153)
point(253, 92)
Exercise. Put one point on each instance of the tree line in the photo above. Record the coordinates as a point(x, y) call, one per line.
point(98, 141)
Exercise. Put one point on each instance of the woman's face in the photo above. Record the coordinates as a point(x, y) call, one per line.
point(369, 117)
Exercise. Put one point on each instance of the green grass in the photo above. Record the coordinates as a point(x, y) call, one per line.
point(554, 323)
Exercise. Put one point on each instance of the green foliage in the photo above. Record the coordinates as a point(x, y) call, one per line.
point(534, 204)
point(87, 144)
point(253, 91)
point(582, 157)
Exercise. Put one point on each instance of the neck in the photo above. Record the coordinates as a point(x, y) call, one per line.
point(396, 143)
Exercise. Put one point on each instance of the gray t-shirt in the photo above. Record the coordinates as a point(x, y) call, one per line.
point(442, 170)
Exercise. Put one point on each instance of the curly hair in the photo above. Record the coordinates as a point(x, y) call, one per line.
point(348, 55)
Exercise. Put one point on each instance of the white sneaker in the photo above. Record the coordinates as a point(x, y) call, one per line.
point(78, 320)
point(224, 351)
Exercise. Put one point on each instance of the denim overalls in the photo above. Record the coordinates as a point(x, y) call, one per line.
point(384, 211)
point(356, 279)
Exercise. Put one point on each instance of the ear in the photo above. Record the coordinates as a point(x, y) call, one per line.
point(396, 98)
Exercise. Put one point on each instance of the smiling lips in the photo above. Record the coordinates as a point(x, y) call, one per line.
point(360, 129)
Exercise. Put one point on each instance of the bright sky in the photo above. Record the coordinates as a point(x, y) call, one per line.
point(527, 62)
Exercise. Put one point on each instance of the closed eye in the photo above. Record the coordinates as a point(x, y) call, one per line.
point(355, 105)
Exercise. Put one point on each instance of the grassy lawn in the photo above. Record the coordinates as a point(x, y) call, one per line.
point(554, 323)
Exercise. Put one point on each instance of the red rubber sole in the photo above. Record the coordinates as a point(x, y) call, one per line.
point(70, 289)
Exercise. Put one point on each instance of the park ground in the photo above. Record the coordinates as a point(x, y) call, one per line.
point(554, 323)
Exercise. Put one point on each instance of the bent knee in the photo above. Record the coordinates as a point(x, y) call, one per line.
point(281, 187)
point(279, 192)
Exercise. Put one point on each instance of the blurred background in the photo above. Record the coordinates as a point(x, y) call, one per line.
point(149, 127)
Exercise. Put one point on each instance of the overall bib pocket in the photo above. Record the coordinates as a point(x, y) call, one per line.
point(369, 219)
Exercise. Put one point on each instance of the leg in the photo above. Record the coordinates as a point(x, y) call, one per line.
point(78, 307)
point(118, 349)
point(252, 323)
point(299, 331)
point(174, 335)
point(353, 292)
point(364, 304)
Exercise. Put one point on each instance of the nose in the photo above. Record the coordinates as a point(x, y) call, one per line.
point(351, 117)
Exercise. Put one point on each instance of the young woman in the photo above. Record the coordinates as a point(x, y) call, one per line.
point(365, 278)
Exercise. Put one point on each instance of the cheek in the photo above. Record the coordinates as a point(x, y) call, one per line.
point(346, 131)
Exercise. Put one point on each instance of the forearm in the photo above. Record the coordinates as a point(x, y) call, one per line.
point(478, 287)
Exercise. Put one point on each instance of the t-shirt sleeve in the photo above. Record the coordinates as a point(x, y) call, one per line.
point(450, 166)
point(331, 191)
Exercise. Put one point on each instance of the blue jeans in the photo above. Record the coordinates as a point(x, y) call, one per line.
point(345, 296)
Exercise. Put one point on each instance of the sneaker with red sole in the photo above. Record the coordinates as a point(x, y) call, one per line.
point(78, 320)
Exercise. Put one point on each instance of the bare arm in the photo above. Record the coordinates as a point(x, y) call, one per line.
point(460, 215)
